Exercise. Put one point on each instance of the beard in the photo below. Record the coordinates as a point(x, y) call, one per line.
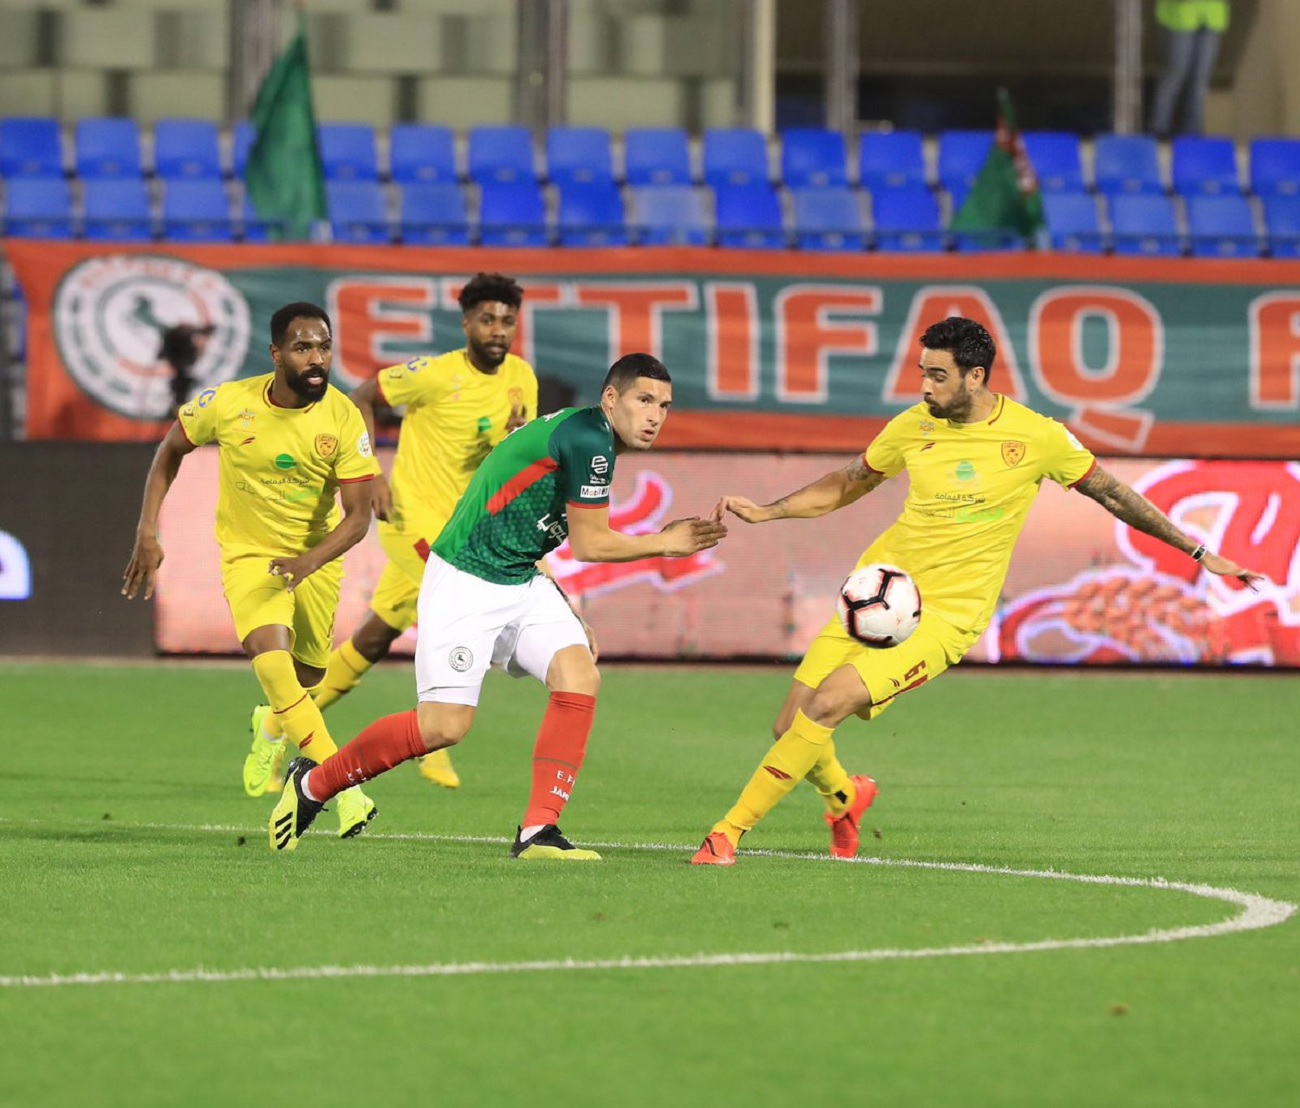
point(485, 356)
point(308, 391)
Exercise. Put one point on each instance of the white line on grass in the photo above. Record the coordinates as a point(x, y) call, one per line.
point(1256, 912)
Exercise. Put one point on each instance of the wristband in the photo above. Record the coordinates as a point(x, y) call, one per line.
point(1199, 552)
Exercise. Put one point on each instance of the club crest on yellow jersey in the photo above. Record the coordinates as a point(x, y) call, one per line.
point(326, 445)
point(1013, 453)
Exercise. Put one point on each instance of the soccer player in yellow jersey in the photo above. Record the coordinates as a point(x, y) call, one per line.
point(975, 461)
point(289, 443)
point(458, 407)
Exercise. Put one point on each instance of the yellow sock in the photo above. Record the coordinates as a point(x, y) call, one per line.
point(786, 764)
point(298, 717)
point(829, 777)
point(343, 672)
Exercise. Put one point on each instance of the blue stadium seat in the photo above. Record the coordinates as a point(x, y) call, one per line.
point(907, 219)
point(186, 148)
point(196, 211)
point(579, 155)
point(252, 227)
point(891, 160)
point(347, 152)
point(591, 214)
point(1126, 164)
point(420, 152)
point(1275, 167)
point(1207, 166)
point(669, 215)
point(117, 210)
point(749, 216)
point(501, 155)
point(961, 157)
point(434, 214)
point(30, 148)
point(827, 219)
point(812, 159)
point(657, 157)
point(1072, 222)
point(735, 157)
point(357, 211)
point(1282, 221)
point(108, 148)
point(1144, 223)
point(37, 208)
point(512, 213)
point(1056, 160)
point(1221, 227)
point(241, 142)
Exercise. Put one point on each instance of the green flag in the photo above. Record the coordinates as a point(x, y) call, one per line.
point(1005, 196)
point(283, 174)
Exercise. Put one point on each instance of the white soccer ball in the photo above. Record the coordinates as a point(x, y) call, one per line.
point(880, 605)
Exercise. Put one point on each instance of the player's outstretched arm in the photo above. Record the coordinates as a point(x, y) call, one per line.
point(827, 494)
point(147, 553)
point(1131, 507)
point(593, 540)
point(351, 529)
point(365, 396)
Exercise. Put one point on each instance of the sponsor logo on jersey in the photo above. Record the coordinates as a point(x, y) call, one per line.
point(111, 312)
point(363, 445)
point(1013, 453)
point(595, 490)
point(484, 425)
point(327, 445)
point(600, 464)
point(925, 427)
point(284, 461)
point(965, 471)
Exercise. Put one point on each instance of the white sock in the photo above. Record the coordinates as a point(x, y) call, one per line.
point(527, 833)
point(306, 786)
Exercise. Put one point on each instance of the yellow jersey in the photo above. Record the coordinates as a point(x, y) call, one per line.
point(280, 468)
point(971, 487)
point(455, 415)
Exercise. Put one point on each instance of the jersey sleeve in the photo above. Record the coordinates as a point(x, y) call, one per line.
point(586, 458)
point(885, 452)
point(410, 383)
point(356, 458)
point(528, 385)
point(1065, 459)
point(200, 419)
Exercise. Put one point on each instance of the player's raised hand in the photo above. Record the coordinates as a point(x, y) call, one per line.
point(293, 570)
point(142, 569)
point(743, 508)
point(381, 498)
point(689, 536)
point(1225, 568)
point(517, 418)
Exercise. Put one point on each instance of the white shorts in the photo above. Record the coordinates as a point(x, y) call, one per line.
point(467, 625)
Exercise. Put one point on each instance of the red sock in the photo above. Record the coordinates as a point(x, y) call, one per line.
point(557, 757)
point(386, 743)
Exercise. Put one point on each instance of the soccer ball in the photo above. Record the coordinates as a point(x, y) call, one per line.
point(879, 605)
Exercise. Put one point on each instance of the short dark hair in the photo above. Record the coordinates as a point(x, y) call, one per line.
point(299, 309)
point(967, 341)
point(490, 288)
point(624, 372)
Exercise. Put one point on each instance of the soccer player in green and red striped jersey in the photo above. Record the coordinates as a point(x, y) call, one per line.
point(484, 602)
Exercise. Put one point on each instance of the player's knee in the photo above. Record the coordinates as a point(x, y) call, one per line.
point(573, 670)
point(374, 639)
point(442, 725)
point(831, 706)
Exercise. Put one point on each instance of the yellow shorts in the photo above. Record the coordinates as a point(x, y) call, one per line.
point(933, 647)
point(398, 587)
point(259, 599)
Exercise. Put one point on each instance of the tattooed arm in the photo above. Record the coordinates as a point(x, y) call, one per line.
point(837, 489)
point(1131, 507)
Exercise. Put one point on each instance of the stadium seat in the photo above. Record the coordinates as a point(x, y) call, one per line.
point(1275, 167)
point(591, 214)
point(30, 148)
point(1072, 222)
point(892, 160)
point(812, 159)
point(1206, 166)
point(961, 157)
point(252, 227)
point(117, 210)
point(196, 211)
point(37, 208)
point(735, 157)
point(347, 152)
point(657, 157)
point(434, 214)
point(186, 148)
point(1126, 164)
point(1056, 161)
point(512, 213)
point(501, 155)
point(357, 211)
point(1143, 223)
point(827, 219)
point(419, 152)
point(579, 155)
point(671, 215)
point(241, 142)
point(1282, 222)
point(907, 219)
point(1221, 227)
point(108, 148)
point(749, 216)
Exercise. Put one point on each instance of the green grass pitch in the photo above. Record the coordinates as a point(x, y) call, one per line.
point(127, 847)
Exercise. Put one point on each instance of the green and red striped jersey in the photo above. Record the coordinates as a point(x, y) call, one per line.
point(516, 507)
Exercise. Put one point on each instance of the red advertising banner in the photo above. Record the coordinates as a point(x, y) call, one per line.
point(1082, 588)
